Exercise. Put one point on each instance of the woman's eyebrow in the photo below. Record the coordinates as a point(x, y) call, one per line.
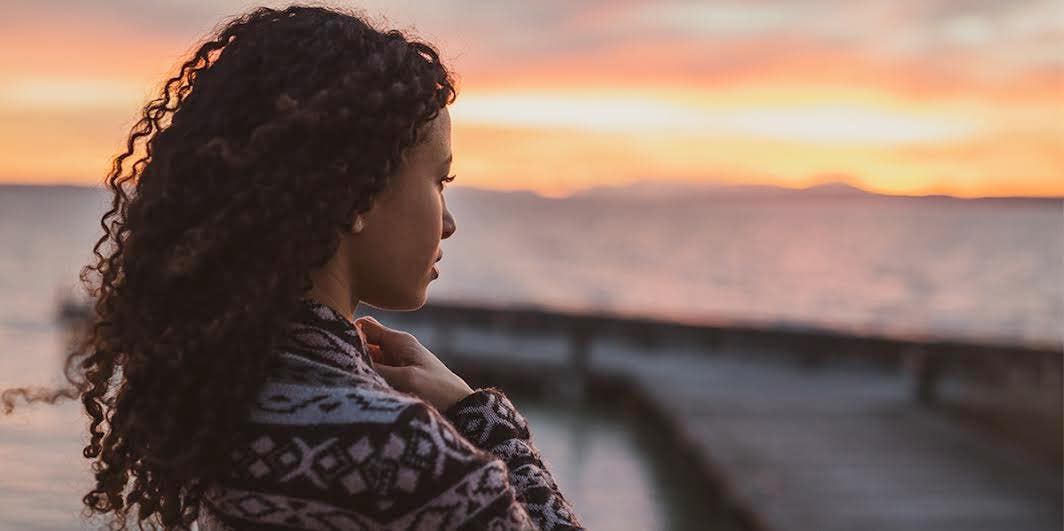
point(447, 160)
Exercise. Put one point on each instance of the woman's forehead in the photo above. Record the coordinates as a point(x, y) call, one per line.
point(431, 152)
point(437, 144)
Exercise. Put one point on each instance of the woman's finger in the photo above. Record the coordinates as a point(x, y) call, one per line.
point(374, 353)
point(373, 330)
point(379, 345)
point(396, 346)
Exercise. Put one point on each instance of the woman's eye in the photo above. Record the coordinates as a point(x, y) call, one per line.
point(445, 180)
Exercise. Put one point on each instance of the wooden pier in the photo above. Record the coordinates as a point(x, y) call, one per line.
point(802, 429)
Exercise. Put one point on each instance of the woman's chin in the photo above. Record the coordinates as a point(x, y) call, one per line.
point(405, 302)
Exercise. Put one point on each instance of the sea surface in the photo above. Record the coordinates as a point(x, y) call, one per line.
point(973, 270)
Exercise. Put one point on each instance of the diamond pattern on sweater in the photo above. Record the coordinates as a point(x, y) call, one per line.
point(328, 444)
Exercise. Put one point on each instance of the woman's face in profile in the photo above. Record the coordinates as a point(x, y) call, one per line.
point(395, 252)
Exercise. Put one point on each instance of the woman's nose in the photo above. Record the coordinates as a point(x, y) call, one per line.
point(448, 223)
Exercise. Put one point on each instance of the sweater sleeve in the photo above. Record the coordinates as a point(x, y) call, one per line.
point(356, 461)
point(488, 419)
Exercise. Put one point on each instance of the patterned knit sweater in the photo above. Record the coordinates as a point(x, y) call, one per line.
point(329, 444)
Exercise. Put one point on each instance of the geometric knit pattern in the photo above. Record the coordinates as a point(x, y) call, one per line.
point(329, 444)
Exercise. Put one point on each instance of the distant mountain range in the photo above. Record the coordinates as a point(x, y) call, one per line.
point(678, 190)
point(651, 190)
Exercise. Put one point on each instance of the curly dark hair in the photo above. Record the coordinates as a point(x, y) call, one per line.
point(272, 147)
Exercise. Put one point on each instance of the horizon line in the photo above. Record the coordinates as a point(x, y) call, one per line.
point(622, 187)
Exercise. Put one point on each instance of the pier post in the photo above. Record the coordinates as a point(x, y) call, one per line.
point(443, 338)
point(574, 384)
point(926, 370)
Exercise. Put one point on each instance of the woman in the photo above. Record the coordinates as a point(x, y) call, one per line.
point(293, 168)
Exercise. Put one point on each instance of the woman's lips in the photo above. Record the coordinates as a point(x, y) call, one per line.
point(435, 270)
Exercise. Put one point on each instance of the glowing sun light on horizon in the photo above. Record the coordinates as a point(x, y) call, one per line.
point(828, 124)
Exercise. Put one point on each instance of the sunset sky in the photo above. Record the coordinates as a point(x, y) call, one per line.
point(914, 97)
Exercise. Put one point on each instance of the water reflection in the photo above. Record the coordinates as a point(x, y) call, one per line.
point(45, 475)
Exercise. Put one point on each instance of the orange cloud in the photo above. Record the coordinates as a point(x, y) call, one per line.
point(782, 62)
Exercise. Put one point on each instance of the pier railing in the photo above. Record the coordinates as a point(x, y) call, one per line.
point(926, 361)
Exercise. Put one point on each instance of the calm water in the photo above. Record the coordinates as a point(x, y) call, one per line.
point(954, 268)
point(972, 270)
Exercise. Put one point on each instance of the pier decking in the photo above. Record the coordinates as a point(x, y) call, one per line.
point(844, 450)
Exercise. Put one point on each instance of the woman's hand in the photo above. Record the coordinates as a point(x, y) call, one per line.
point(410, 367)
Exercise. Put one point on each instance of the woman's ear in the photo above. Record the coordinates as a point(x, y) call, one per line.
point(360, 223)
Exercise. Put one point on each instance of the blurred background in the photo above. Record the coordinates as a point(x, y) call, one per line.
point(743, 265)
